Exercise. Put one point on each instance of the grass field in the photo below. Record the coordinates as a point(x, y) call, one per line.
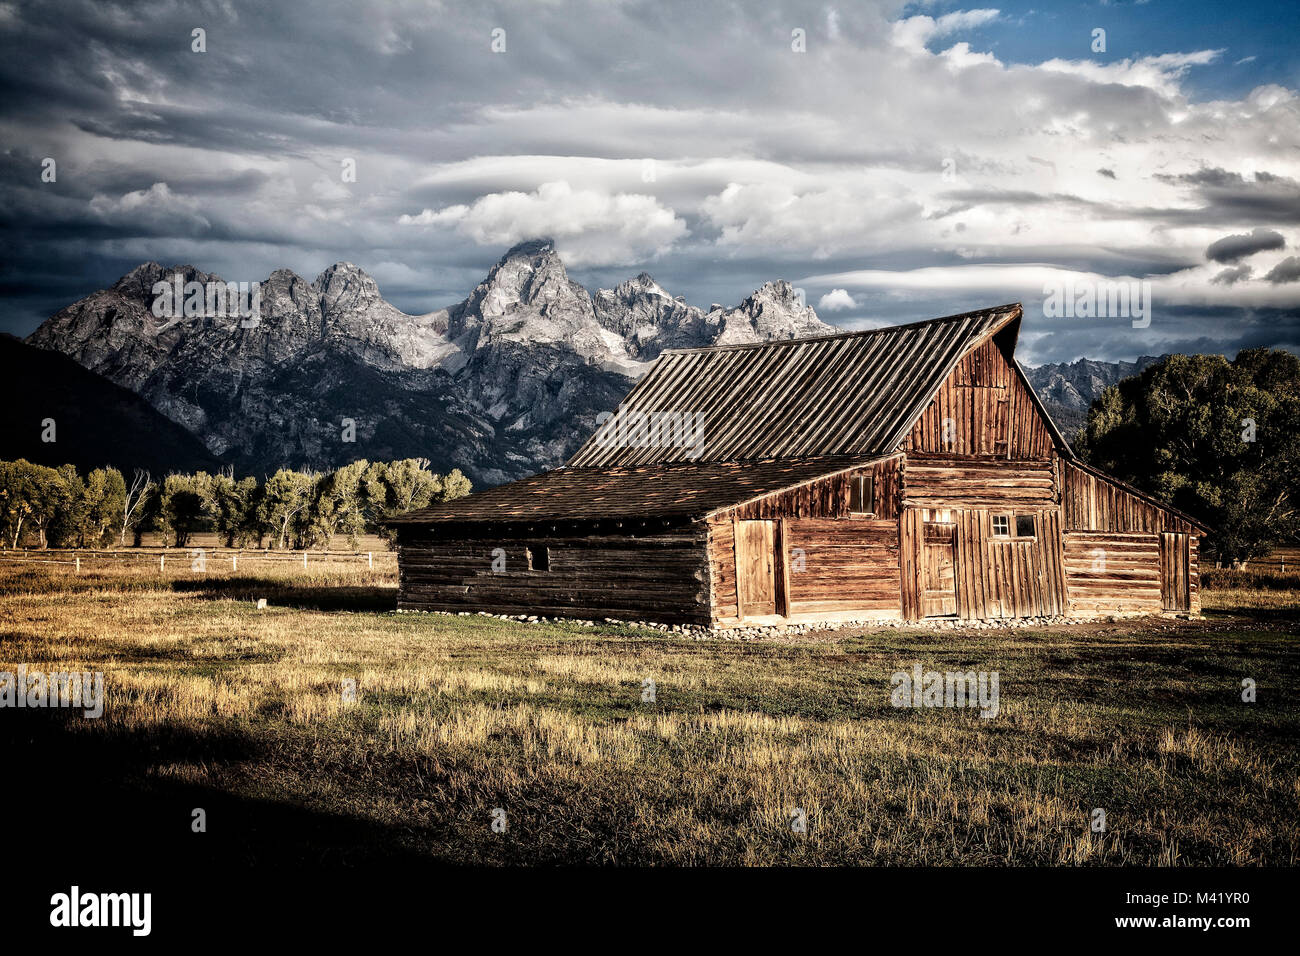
point(213, 704)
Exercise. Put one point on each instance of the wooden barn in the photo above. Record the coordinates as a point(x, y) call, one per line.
point(902, 473)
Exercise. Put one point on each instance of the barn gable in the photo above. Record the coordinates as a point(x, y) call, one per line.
point(986, 407)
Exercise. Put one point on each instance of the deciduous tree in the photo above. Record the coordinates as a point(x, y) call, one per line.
point(1219, 439)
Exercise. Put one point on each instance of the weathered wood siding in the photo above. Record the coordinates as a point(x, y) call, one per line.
point(995, 577)
point(829, 497)
point(830, 566)
point(660, 576)
point(1112, 572)
point(987, 410)
point(944, 482)
point(828, 561)
point(1195, 575)
point(841, 565)
point(1125, 554)
point(722, 567)
point(1175, 571)
point(756, 567)
point(1095, 504)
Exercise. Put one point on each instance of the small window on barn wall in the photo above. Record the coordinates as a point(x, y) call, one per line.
point(539, 557)
point(1025, 526)
point(1001, 525)
point(862, 495)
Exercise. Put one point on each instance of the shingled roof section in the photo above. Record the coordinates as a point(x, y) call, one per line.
point(684, 490)
point(850, 394)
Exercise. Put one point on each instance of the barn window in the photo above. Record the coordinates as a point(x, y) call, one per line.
point(862, 495)
point(1001, 525)
point(1025, 526)
point(539, 557)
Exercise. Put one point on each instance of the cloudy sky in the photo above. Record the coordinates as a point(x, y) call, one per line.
point(896, 161)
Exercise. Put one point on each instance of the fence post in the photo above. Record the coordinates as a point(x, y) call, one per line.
point(77, 559)
point(304, 559)
point(370, 559)
point(162, 561)
point(234, 562)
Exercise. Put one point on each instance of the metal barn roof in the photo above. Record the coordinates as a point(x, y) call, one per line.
point(850, 394)
point(664, 490)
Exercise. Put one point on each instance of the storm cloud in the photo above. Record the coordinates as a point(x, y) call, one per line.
point(897, 161)
point(1232, 248)
point(1233, 275)
point(1288, 270)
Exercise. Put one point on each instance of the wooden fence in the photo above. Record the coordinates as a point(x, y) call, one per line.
point(1279, 559)
point(193, 559)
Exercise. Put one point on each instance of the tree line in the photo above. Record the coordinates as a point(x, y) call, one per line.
point(58, 507)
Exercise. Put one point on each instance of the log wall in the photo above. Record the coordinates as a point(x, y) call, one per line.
point(834, 561)
point(831, 562)
point(829, 565)
point(661, 576)
point(843, 565)
point(1114, 559)
point(944, 482)
point(1108, 572)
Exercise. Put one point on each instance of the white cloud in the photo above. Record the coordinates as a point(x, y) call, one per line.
point(330, 189)
point(846, 210)
point(1160, 73)
point(914, 33)
point(959, 57)
point(590, 227)
point(428, 217)
point(154, 209)
point(837, 300)
point(990, 284)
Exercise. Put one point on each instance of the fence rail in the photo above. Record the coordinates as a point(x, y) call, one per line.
point(182, 557)
point(1279, 559)
point(155, 551)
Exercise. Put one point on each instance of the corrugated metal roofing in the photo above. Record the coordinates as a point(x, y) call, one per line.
point(690, 489)
point(852, 394)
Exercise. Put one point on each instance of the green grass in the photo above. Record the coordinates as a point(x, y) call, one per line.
point(212, 703)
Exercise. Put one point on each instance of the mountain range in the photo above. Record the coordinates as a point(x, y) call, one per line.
point(1069, 388)
point(501, 385)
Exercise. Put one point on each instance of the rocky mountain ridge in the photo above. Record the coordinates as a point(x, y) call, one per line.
point(1068, 389)
point(500, 385)
point(1075, 385)
point(505, 383)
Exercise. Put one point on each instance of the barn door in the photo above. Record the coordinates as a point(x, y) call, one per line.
point(938, 569)
point(1175, 577)
point(756, 567)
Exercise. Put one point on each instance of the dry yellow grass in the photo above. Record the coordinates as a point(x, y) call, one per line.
point(455, 716)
